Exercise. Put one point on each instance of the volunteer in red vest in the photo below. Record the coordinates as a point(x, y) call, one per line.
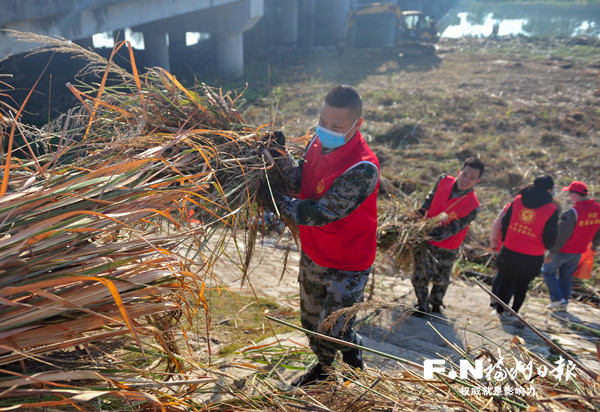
point(334, 200)
point(454, 205)
point(529, 227)
point(577, 227)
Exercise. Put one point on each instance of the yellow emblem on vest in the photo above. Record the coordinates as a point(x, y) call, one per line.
point(320, 186)
point(527, 216)
point(452, 216)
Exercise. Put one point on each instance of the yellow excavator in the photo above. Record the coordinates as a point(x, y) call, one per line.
point(415, 33)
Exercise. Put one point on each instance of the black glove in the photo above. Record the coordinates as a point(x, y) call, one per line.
point(279, 138)
point(263, 195)
point(276, 144)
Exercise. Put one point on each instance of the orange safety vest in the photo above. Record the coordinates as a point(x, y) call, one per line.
point(526, 228)
point(588, 222)
point(351, 242)
point(455, 208)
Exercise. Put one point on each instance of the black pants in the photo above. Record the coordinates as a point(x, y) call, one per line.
point(515, 272)
point(495, 286)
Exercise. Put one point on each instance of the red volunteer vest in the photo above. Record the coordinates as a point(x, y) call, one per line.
point(588, 222)
point(455, 208)
point(526, 227)
point(349, 243)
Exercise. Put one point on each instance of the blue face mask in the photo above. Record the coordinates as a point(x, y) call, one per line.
point(330, 139)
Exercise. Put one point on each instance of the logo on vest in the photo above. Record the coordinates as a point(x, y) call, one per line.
point(527, 216)
point(320, 186)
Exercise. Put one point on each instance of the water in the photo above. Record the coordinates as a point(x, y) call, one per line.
point(137, 39)
point(506, 27)
point(106, 39)
point(476, 18)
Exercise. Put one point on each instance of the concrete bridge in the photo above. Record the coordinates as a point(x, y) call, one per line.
point(164, 21)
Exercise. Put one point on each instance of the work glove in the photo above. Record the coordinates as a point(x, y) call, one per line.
point(263, 195)
point(276, 144)
point(279, 138)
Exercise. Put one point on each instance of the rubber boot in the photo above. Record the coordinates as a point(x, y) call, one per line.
point(315, 373)
point(353, 357)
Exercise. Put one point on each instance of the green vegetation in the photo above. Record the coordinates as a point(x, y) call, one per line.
point(239, 319)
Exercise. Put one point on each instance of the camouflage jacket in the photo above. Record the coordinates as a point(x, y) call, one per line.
point(345, 194)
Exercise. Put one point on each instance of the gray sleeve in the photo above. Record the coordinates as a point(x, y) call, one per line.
point(566, 224)
point(344, 195)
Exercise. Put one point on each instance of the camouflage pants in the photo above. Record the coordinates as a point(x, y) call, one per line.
point(432, 264)
point(322, 292)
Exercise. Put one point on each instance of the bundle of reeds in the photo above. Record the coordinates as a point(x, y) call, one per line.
point(95, 208)
point(401, 230)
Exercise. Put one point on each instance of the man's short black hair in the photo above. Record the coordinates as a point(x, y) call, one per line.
point(475, 163)
point(345, 97)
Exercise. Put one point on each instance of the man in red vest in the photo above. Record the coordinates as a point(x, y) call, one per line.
point(454, 205)
point(577, 227)
point(333, 198)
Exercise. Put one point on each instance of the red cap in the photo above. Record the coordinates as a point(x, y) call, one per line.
point(577, 187)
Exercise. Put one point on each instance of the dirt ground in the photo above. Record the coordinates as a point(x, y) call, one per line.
point(467, 321)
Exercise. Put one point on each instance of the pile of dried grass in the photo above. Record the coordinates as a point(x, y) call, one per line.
point(513, 379)
point(401, 231)
point(95, 215)
point(503, 387)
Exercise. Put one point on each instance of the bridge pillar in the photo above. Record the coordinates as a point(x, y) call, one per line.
point(156, 49)
point(309, 7)
point(308, 22)
point(230, 54)
point(177, 40)
point(289, 21)
point(339, 14)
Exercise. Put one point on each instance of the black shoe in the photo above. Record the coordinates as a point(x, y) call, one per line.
point(420, 311)
point(315, 373)
point(353, 358)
